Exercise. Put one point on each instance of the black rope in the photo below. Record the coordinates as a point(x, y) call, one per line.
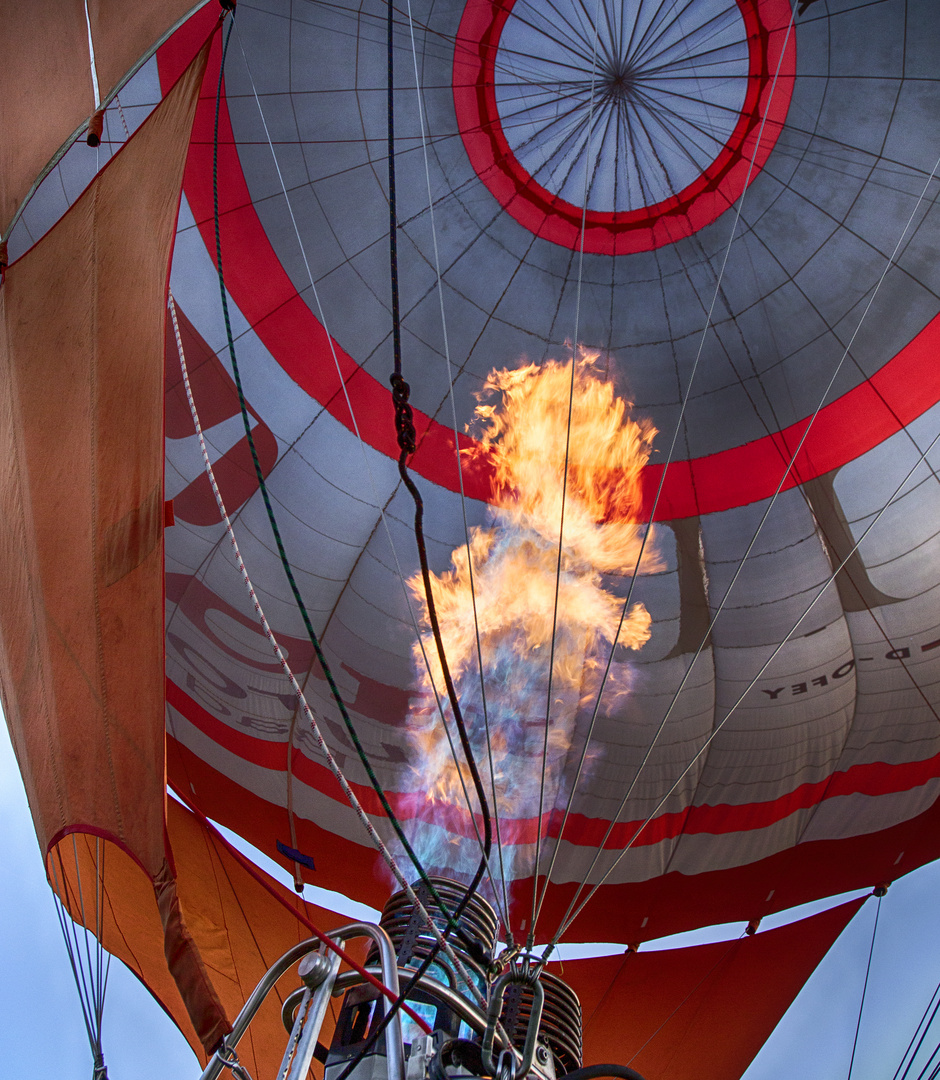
point(282, 554)
point(407, 443)
point(404, 417)
point(923, 1075)
point(924, 1022)
point(91, 992)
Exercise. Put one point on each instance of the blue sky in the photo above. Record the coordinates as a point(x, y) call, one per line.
point(45, 1035)
point(42, 1021)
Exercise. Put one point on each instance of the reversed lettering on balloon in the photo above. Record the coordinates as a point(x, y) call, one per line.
point(794, 689)
point(899, 655)
point(263, 725)
point(203, 667)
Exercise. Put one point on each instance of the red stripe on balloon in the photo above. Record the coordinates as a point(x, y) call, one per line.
point(904, 388)
point(633, 911)
point(870, 779)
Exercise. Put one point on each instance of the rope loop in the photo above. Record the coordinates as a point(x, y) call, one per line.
point(404, 416)
point(229, 1059)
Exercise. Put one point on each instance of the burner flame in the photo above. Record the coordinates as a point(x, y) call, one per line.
point(509, 600)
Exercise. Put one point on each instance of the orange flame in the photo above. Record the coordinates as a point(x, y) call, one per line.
point(504, 588)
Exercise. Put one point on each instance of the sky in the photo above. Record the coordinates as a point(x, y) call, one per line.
point(45, 1035)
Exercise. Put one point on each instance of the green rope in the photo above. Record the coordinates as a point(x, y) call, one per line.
point(324, 664)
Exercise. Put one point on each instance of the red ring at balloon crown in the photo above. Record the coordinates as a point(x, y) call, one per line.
point(771, 71)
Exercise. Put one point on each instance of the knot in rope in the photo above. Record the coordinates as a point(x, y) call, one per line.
point(404, 417)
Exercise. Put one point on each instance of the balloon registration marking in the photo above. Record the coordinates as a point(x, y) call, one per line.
point(514, 572)
point(660, 106)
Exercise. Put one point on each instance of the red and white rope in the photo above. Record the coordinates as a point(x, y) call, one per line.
point(305, 708)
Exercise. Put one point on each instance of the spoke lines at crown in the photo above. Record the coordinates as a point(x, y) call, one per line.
point(671, 80)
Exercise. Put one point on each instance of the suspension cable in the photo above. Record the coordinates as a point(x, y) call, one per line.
point(789, 466)
point(381, 511)
point(925, 1021)
point(569, 916)
point(90, 974)
point(530, 938)
point(658, 495)
point(407, 444)
point(249, 867)
point(463, 496)
point(404, 425)
point(861, 1006)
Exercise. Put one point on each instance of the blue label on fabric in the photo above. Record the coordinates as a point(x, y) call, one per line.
point(296, 856)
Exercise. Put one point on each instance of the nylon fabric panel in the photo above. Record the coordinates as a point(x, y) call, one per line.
point(770, 745)
point(265, 822)
point(123, 34)
point(834, 741)
point(82, 352)
point(132, 929)
point(645, 910)
point(240, 923)
point(525, 295)
point(702, 1011)
point(48, 90)
point(633, 911)
point(47, 75)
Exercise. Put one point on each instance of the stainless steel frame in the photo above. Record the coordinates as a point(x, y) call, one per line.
point(303, 1041)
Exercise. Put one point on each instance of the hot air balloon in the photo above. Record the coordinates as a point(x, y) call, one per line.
point(536, 513)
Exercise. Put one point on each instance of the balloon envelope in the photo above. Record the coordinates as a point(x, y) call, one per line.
point(755, 284)
point(731, 206)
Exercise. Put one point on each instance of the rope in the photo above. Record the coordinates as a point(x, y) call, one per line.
point(536, 906)
point(91, 60)
point(404, 426)
point(91, 984)
point(463, 497)
point(924, 1022)
point(656, 500)
point(368, 469)
point(569, 917)
point(861, 1007)
point(282, 554)
point(282, 660)
point(265, 883)
point(789, 466)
